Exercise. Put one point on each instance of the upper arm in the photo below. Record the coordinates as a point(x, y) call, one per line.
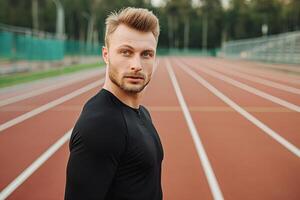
point(98, 144)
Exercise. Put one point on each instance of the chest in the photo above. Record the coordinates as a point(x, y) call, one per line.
point(144, 149)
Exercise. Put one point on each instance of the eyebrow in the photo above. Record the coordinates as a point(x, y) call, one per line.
point(130, 47)
point(126, 46)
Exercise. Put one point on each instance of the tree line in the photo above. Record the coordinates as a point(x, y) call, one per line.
point(184, 23)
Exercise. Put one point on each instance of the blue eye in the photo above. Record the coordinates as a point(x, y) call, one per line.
point(147, 54)
point(126, 52)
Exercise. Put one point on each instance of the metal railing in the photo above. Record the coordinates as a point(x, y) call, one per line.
point(281, 48)
point(18, 43)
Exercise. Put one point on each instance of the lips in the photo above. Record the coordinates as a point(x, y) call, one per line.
point(135, 77)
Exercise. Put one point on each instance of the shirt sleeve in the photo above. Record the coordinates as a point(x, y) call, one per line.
point(96, 146)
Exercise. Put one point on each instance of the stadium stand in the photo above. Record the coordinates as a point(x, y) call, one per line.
point(281, 48)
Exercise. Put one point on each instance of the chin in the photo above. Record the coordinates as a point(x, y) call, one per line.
point(133, 89)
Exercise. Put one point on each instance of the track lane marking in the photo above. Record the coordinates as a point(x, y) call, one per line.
point(52, 104)
point(21, 97)
point(211, 178)
point(166, 108)
point(250, 89)
point(278, 76)
point(11, 187)
point(293, 149)
point(220, 109)
point(261, 80)
point(23, 176)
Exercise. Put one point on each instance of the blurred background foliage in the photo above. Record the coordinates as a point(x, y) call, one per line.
point(184, 23)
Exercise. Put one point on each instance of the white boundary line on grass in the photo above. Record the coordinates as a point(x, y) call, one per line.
point(262, 81)
point(52, 104)
point(250, 89)
point(293, 149)
point(33, 93)
point(211, 178)
point(12, 186)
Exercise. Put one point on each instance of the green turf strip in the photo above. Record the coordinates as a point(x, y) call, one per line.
point(14, 79)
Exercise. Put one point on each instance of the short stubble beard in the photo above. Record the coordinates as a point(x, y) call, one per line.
point(122, 85)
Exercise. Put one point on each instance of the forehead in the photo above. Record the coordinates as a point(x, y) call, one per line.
point(124, 35)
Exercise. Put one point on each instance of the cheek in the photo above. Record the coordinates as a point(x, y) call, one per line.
point(115, 68)
point(118, 61)
point(148, 67)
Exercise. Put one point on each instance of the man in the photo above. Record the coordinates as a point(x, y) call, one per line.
point(115, 151)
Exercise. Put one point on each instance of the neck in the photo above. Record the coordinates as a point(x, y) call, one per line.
point(130, 99)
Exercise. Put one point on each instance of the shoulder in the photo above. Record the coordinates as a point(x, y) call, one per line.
point(146, 112)
point(101, 126)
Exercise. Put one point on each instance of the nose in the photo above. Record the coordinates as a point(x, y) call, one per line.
point(136, 64)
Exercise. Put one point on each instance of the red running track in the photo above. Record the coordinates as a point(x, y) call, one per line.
point(245, 161)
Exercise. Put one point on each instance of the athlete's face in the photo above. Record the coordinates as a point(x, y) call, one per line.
point(130, 58)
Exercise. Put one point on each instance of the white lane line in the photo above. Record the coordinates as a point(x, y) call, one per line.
point(242, 111)
point(50, 105)
point(211, 178)
point(44, 90)
point(265, 74)
point(12, 186)
point(252, 90)
point(263, 81)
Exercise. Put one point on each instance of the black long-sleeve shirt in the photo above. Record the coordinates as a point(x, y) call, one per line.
point(115, 153)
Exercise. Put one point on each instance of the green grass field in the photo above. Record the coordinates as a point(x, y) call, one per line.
point(14, 79)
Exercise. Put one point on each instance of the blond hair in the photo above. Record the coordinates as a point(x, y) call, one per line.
point(137, 18)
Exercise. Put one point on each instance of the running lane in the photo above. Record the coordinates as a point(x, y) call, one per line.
point(16, 109)
point(253, 68)
point(183, 177)
point(250, 80)
point(21, 89)
point(22, 143)
point(248, 163)
point(280, 119)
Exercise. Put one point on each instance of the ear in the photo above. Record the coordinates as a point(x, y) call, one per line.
point(105, 54)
